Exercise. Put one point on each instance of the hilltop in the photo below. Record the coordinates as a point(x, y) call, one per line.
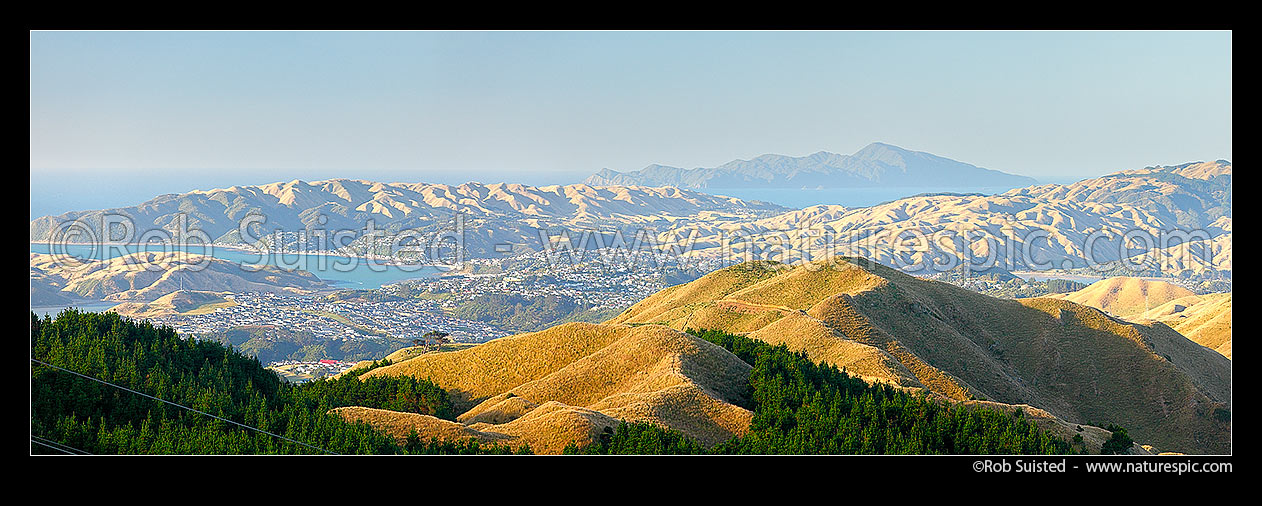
point(1125, 296)
point(187, 302)
point(571, 382)
point(1072, 361)
point(1205, 319)
point(877, 164)
point(1190, 195)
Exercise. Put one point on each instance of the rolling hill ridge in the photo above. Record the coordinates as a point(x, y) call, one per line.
point(149, 276)
point(569, 383)
point(1033, 228)
point(501, 213)
point(1073, 361)
point(1185, 209)
point(1205, 319)
point(1125, 296)
point(1068, 364)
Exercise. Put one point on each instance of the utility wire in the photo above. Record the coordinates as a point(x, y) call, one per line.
point(57, 445)
point(182, 406)
point(53, 447)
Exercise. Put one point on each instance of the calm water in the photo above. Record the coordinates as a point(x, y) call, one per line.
point(1044, 276)
point(1081, 278)
point(91, 306)
point(849, 197)
point(344, 272)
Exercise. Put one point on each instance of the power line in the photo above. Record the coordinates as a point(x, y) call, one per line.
point(53, 447)
point(182, 406)
point(57, 445)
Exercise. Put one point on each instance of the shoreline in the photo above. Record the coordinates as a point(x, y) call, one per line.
point(1060, 274)
point(383, 260)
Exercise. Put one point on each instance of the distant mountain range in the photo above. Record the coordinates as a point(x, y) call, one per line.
point(877, 164)
point(1051, 222)
point(502, 214)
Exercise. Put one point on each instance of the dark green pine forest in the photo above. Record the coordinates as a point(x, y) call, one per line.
point(86, 415)
point(801, 407)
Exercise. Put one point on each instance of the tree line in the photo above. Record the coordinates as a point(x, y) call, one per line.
point(208, 377)
point(801, 407)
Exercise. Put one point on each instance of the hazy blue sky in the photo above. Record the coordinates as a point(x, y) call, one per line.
point(152, 112)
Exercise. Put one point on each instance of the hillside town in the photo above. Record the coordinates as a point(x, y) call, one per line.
point(338, 320)
point(602, 279)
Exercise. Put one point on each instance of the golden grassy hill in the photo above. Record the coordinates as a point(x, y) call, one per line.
point(1205, 319)
point(805, 308)
point(1125, 296)
point(1073, 361)
point(411, 352)
point(178, 302)
point(568, 383)
point(805, 332)
point(473, 375)
point(653, 374)
point(675, 300)
point(404, 354)
point(399, 425)
point(548, 429)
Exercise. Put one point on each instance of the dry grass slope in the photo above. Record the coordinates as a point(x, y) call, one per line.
point(822, 343)
point(411, 352)
point(188, 302)
point(399, 425)
point(547, 429)
point(568, 383)
point(1205, 319)
point(1124, 296)
point(1075, 362)
point(475, 374)
point(714, 286)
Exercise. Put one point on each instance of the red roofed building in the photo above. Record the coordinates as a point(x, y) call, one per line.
point(329, 362)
